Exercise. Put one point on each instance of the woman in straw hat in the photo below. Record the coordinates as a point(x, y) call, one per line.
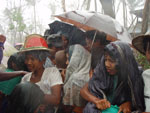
point(48, 79)
point(142, 44)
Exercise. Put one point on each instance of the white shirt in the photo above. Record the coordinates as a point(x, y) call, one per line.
point(51, 77)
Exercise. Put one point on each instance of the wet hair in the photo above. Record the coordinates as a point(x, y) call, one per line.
point(12, 59)
point(100, 36)
point(25, 98)
point(17, 59)
point(125, 61)
point(54, 40)
point(118, 52)
point(146, 40)
point(47, 33)
point(38, 54)
point(128, 71)
point(66, 35)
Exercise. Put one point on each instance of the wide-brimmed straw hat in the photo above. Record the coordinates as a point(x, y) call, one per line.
point(34, 42)
point(138, 43)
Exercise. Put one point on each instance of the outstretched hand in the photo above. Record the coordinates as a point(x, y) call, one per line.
point(125, 107)
point(102, 104)
point(23, 72)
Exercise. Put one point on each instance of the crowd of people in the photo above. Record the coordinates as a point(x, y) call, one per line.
point(50, 75)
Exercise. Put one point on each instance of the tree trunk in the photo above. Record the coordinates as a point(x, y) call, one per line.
point(88, 4)
point(146, 16)
point(95, 5)
point(107, 5)
point(35, 18)
point(63, 5)
point(83, 4)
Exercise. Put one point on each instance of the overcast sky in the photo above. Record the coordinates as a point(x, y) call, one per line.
point(43, 11)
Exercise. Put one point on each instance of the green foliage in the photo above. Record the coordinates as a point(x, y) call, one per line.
point(22, 27)
point(142, 61)
point(15, 18)
point(11, 26)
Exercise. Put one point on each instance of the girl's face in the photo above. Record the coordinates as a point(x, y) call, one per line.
point(65, 41)
point(110, 64)
point(33, 64)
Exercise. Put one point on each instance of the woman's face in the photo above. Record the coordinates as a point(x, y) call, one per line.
point(110, 64)
point(33, 64)
point(65, 41)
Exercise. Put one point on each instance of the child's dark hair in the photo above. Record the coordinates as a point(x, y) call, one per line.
point(12, 58)
point(18, 60)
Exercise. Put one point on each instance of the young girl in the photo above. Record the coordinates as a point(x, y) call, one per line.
point(116, 81)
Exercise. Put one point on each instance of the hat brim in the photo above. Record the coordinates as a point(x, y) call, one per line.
point(34, 48)
point(138, 43)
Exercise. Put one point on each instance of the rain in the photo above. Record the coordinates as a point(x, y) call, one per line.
point(74, 56)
